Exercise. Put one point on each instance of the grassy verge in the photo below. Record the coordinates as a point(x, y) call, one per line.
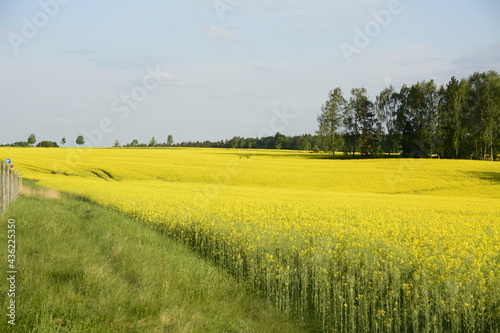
point(85, 268)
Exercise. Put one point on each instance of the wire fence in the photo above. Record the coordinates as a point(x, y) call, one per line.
point(9, 186)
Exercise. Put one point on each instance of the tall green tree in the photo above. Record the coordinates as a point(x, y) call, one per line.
point(484, 117)
point(250, 142)
point(350, 129)
point(330, 119)
point(170, 140)
point(152, 142)
point(63, 141)
point(235, 141)
point(365, 120)
point(387, 105)
point(279, 140)
point(418, 119)
point(32, 139)
point(452, 118)
point(405, 125)
point(428, 116)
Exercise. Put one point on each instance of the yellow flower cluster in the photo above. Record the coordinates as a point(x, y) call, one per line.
point(359, 245)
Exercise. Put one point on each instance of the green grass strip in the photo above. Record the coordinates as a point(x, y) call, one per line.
point(82, 267)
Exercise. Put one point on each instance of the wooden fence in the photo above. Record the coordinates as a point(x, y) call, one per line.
point(9, 186)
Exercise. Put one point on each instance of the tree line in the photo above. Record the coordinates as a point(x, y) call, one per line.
point(457, 120)
point(80, 140)
point(31, 142)
point(277, 141)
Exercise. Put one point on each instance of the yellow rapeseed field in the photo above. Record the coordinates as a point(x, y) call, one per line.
point(390, 245)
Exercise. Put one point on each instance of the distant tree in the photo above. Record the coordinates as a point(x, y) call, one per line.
point(421, 116)
point(241, 144)
point(452, 118)
point(20, 144)
point(170, 140)
point(235, 141)
point(32, 140)
point(329, 120)
point(484, 118)
point(80, 140)
point(134, 143)
point(152, 142)
point(365, 118)
point(386, 105)
point(303, 143)
point(279, 140)
point(404, 121)
point(63, 141)
point(47, 144)
point(250, 142)
point(116, 144)
point(350, 128)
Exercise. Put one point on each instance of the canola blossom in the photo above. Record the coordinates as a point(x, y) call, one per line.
point(382, 245)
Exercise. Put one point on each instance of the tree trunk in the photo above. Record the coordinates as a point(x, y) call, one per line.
point(333, 144)
point(389, 143)
point(491, 147)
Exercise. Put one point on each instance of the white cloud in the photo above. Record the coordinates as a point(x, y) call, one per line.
point(167, 76)
point(416, 46)
point(214, 34)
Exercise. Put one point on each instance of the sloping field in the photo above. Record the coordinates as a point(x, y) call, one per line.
point(360, 245)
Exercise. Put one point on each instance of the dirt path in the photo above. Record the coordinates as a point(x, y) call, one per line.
point(39, 192)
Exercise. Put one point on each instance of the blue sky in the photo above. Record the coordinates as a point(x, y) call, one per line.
point(248, 68)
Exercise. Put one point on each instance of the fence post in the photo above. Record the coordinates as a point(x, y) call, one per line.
point(9, 186)
point(15, 192)
point(2, 187)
